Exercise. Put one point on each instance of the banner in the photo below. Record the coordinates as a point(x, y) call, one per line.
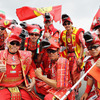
point(96, 19)
point(26, 13)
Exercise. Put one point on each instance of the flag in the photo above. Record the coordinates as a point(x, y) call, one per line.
point(26, 13)
point(96, 20)
point(95, 73)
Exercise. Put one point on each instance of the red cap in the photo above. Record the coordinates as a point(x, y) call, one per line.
point(2, 16)
point(33, 29)
point(65, 17)
point(14, 38)
point(54, 44)
point(95, 40)
point(5, 23)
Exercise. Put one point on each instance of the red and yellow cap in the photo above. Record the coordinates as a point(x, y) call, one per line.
point(14, 38)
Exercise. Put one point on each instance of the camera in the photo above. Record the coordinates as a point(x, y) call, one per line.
point(47, 16)
point(23, 34)
point(88, 37)
point(23, 25)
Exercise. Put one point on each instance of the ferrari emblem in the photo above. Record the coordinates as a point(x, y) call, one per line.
point(13, 66)
point(42, 10)
point(6, 22)
point(64, 38)
point(24, 67)
point(70, 59)
point(13, 58)
point(69, 40)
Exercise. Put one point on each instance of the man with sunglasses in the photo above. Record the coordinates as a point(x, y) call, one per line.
point(73, 40)
point(50, 31)
point(30, 43)
point(93, 46)
point(59, 81)
point(15, 65)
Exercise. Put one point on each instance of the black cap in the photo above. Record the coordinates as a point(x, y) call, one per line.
point(88, 37)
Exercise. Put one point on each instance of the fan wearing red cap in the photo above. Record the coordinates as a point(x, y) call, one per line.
point(50, 31)
point(93, 45)
point(59, 81)
point(4, 23)
point(3, 32)
point(34, 34)
point(72, 39)
point(13, 43)
point(15, 65)
point(31, 42)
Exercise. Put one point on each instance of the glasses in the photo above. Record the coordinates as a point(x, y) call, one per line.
point(31, 34)
point(47, 21)
point(13, 43)
point(51, 51)
point(93, 47)
point(66, 23)
point(2, 28)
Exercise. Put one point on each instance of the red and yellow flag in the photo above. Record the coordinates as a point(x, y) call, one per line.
point(26, 13)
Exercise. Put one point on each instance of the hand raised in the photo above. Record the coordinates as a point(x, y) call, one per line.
point(2, 67)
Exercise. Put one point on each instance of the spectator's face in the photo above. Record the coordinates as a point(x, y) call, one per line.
point(67, 25)
point(48, 23)
point(53, 54)
point(94, 50)
point(2, 30)
point(13, 46)
point(34, 37)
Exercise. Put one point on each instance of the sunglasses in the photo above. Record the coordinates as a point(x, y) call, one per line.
point(51, 51)
point(13, 43)
point(66, 23)
point(47, 21)
point(93, 47)
point(32, 34)
point(2, 28)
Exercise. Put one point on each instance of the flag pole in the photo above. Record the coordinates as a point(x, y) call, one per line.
point(70, 90)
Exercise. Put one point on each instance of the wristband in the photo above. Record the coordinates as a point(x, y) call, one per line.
point(88, 89)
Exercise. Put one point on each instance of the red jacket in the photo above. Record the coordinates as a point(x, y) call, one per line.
point(25, 61)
